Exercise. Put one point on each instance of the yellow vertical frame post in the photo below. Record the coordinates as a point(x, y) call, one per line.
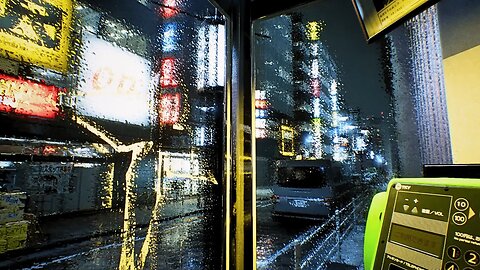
point(239, 191)
point(240, 229)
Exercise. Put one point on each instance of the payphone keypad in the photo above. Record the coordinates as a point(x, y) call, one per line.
point(430, 228)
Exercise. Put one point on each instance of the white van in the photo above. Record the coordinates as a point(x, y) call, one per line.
point(307, 189)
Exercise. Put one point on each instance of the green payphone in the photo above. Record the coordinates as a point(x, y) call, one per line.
point(424, 223)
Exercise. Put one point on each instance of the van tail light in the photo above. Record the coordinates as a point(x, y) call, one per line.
point(275, 198)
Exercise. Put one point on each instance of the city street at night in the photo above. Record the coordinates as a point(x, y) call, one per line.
point(239, 134)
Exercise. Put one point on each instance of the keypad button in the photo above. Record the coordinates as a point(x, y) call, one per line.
point(451, 266)
point(461, 204)
point(472, 258)
point(459, 218)
point(454, 252)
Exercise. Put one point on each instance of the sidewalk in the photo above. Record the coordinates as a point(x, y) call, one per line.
point(351, 251)
point(55, 234)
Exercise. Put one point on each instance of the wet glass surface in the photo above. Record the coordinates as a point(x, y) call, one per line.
point(375, 111)
point(111, 133)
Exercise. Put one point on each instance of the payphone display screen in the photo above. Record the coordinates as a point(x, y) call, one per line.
point(427, 242)
point(430, 227)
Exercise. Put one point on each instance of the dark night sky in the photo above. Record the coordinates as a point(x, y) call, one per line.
point(360, 70)
point(358, 62)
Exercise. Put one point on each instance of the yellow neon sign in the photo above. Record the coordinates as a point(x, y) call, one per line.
point(36, 31)
point(287, 141)
point(313, 30)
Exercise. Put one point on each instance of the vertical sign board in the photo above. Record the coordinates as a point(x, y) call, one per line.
point(36, 31)
point(380, 16)
point(169, 108)
point(287, 147)
point(114, 84)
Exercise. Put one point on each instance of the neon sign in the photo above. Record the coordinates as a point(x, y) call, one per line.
point(316, 87)
point(316, 108)
point(167, 73)
point(169, 41)
point(314, 29)
point(315, 72)
point(261, 113)
point(169, 108)
point(36, 31)
point(114, 84)
point(211, 56)
point(21, 96)
point(169, 8)
point(261, 104)
point(287, 141)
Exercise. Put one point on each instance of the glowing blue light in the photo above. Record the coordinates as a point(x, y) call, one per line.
point(170, 40)
point(260, 113)
point(379, 159)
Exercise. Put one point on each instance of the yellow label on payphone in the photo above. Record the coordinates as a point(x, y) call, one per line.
point(36, 31)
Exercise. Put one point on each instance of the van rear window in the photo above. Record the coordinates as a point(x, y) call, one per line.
point(302, 177)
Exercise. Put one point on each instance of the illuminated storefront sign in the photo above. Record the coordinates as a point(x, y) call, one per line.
point(36, 31)
point(287, 141)
point(167, 73)
point(28, 98)
point(181, 169)
point(169, 108)
point(114, 83)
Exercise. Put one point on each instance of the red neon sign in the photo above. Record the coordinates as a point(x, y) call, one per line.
point(25, 97)
point(169, 108)
point(261, 104)
point(167, 73)
point(169, 8)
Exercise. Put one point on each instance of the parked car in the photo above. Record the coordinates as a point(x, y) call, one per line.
point(308, 189)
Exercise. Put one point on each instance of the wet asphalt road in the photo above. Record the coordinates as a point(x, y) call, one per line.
point(183, 243)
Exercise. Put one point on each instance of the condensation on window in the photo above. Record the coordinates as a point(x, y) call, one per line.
point(354, 114)
point(111, 134)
